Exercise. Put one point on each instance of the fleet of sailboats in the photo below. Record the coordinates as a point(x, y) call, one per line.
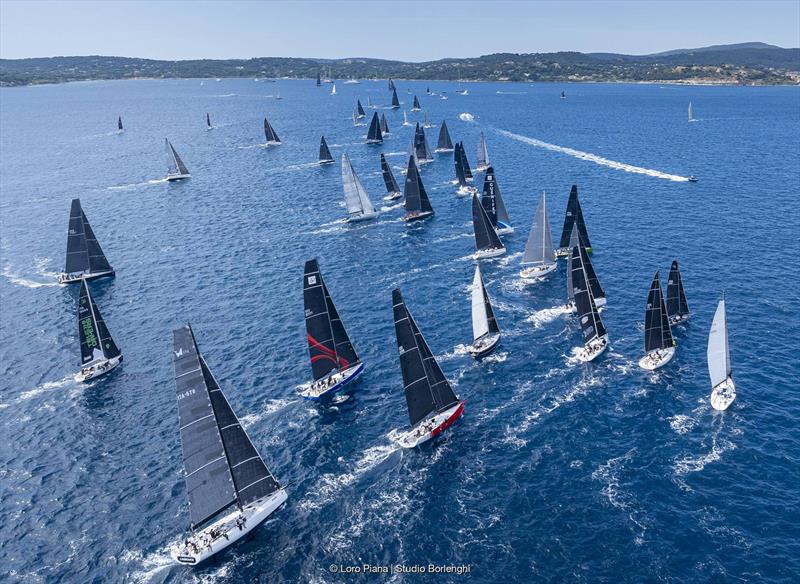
point(659, 345)
point(723, 390)
point(359, 207)
point(485, 332)
point(176, 169)
point(539, 258)
point(85, 258)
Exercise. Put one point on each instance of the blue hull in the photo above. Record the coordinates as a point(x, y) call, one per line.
point(334, 388)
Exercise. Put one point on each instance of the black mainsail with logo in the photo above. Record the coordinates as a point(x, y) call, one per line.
point(96, 342)
point(591, 324)
point(492, 201)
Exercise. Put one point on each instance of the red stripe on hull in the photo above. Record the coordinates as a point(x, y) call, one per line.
point(449, 421)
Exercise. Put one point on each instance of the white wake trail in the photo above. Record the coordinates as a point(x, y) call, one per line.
point(593, 157)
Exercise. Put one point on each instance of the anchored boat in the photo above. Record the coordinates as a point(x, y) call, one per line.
point(487, 242)
point(99, 352)
point(432, 404)
point(231, 491)
point(492, 202)
point(418, 205)
point(325, 156)
point(392, 188)
point(176, 169)
point(485, 332)
point(677, 306)
point(723, 390)
point(539, 258)
point(595, 336)
point(359, 207)
point(573, 216)
point(659, 345)
point(85, 257)
point(445, 144)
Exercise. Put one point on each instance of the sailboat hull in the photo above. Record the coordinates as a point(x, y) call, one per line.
point(504, 228)
point(430, 428)
point(78, 276)
point(593, 349)
point(393, 196)
point(484, 346)
point(483, 254)
point(317, 391)
point(98, 369)
point(655, 359)
point(536, 273)
point(361, 217)
point(466, 191)
point(723, 395)
point(204, 546)
point(327, 161)
point(175, 177)
point(678, 318)
point(417, 216)
point(444, 150)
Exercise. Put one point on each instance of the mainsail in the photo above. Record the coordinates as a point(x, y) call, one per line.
point(416, 107)
point(691, 117)
point(360, 110)
point(426, 388)
point(591, 275)
point(395, 101)
point(222, 467)
point(388, 177)
point(324, 151)
point(485, 236)
point(96, 341)
point(657, 332)
point(574, 240)
point(483, 320)
point(444, 143)
point(589, 318)
point(374, 135)
point(208, 120)
point(269, 132)
point(465, 162)
point(319, 80)
point(421, 146)
point(174, 163)
point(84, 254)
point(492, 200)
point(384, 124)
point(718, 354)
point(459, 162)
point(676, 296)
point(414, 192)
point(355, 195)
point(119, 123)
point(539, 248)
point(574, 216)
point(483, 154)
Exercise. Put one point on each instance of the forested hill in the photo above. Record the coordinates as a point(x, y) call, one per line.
point(746, 63)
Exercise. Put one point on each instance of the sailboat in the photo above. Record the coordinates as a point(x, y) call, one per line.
point(464, 189)
point(371, 105)
point(421, 147)
point(417, 204)
point(392, 188)
point(99, 352)
point(319, 80)
point(359, 207)
point(659, 345)
point(85, 257)
point(384, 125)
point(278, 96)
point(465, 163)
point(723, 390)
point(677, 307)
point(483, 154)
point(691, 115)
point(356, 123)
point(487, 242)
point(391, 84)
point(208, 122)
point(595, 336)
point(352, 81)
point(230, 489)
point(573, 216)
point(374, 135)
point(119, 124)
point(485, 332)
point(334, 361)
point(395, 101)
point(416, 107)
point(360, 113)
point(445, 144)
point(271, 135)
point(333, 89)
point(325, 156)
point(425, 122)
point(493, 203)
point(563, 95)
point(405, 119)
point(539, 258)
point(432, 404)
point(176, 169)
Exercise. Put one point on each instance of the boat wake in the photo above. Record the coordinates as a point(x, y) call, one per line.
point(546, 315)
point(131, 186)
point(688, 464)
point(466, 117)
point(387, 208)
point(592, 157)
point(48, 386)
point(269, 408)
point(20, 281)
point(682, 424)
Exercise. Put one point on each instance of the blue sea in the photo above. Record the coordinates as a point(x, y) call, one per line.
point(558, 471)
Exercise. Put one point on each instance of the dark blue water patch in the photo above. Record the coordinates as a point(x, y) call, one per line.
point(557, 471)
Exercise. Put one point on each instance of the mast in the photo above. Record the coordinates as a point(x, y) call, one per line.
point(718, 353)
point(445, 143)
point(485, 235)
point(355, 195)
point(208, 120)
point(539, 247)
point(374, 135)
point(657, 332)
point(119, 123)
point(592, 325)
point(388, 177)
point(676, 296)
point(324, 151)
point(92, 330)
point(395, 101)
point(414, 192)
point(574, 215)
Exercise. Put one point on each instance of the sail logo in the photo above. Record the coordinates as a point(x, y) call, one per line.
point(312, 280)
point(179, 352)
point(88, 332)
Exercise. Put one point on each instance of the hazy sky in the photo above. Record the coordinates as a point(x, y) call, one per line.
point(405, 30)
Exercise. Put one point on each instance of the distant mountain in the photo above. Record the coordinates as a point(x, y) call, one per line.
point(744, 63)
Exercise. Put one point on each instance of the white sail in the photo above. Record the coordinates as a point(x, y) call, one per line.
point(355, 195)
point(333, 89)
point(480, 320)
point(539, 248)
point(691, 116)
point(719, 361)
point(483, 153)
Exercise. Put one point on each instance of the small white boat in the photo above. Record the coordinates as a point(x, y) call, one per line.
point(659, 344)
point(539, 258)
point(723, 390)
point(485, 332)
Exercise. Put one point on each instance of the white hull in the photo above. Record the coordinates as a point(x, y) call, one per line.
point(78, 276)
point(327, 161)
point(393, 196)
point(97, 369)
point(489, 253)
point(362, 217)
point(273, 143)
point(658, 358)
point(444, 150)
point(431, 427)
point(593, 349)
point(678, 318)
point(536, 273)
point(174, 177)
point(204, 545)
point(506, 230)
point(332, 383)
point(466, 191)
point(374, 141)
point(481, 168)
point(416, 216)
point(723, 395)
point(484, 345)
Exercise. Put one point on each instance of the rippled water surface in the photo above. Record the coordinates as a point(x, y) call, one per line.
point(558, 471)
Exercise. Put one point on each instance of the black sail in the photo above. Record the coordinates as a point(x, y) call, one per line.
point(573, 241)
point(359, 109)
point(344, 348)
point(84, 253)
point(374, 134)
point(93, 331)
point(416, 104)
point(415, 195)
point(209, 482)
point(426, 388)
point(119, 123)
point(269, 132)
point(421, 147)
point(208, 120)
point(460, 175)
point(324, 151)
point(574, 216)
point(319, 80)
point(489, 196)
point(676, 296)
point(492, 321)
point(395, 101)
point(388, 177)
point(485, 235)
point(589, 318)
point(319, 332)
point(384, 124)
point(657, 332)
point(444, 138)
point(591, 276)
point(465, 162)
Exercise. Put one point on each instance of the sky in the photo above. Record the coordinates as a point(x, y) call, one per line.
point(407, 30)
